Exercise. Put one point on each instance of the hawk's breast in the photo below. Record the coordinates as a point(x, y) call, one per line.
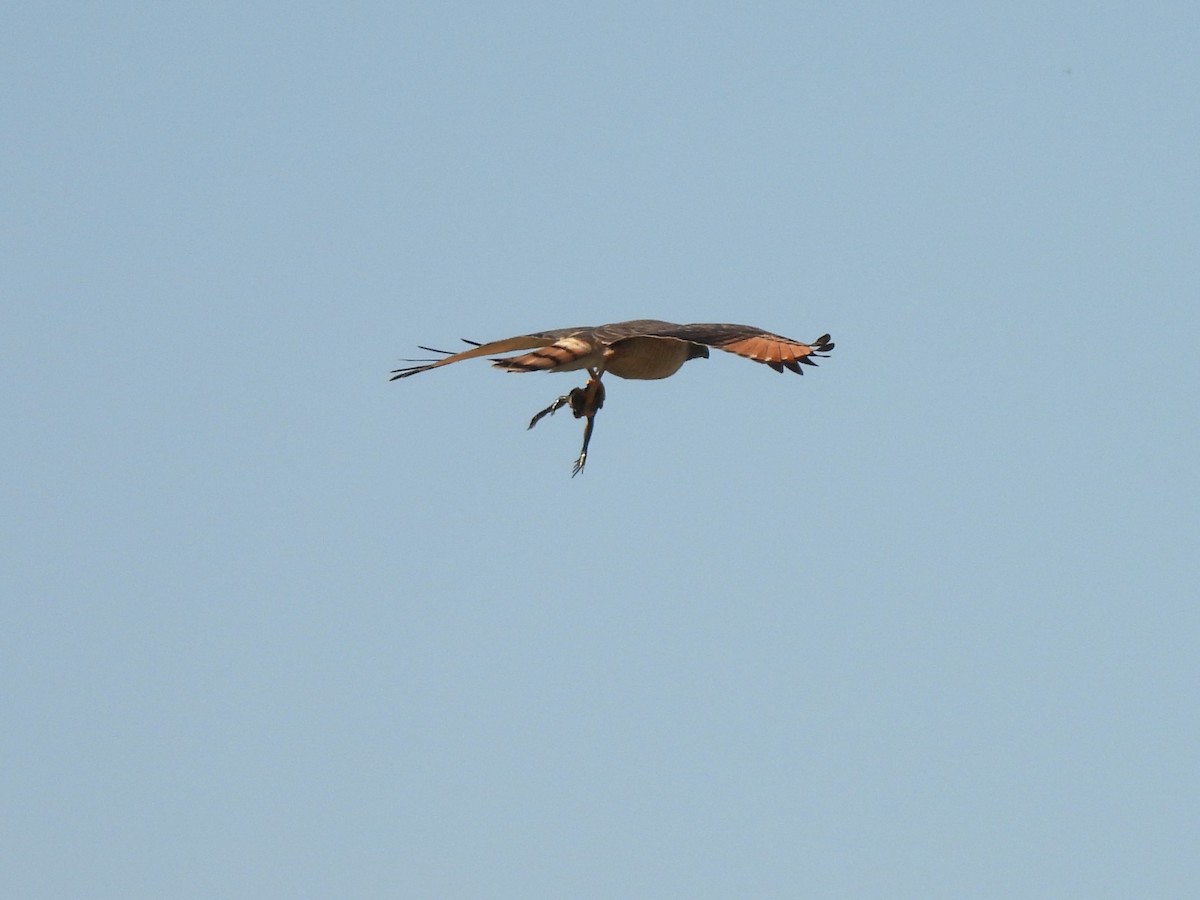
point(646, 357)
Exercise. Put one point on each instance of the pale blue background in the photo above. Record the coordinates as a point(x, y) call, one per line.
point(922, 624)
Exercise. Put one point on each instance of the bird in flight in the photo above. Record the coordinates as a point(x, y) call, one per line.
point(642, 349)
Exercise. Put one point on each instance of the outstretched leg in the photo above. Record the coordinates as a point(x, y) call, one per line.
point(552, 408)
point(586, 402)
point(587, 436)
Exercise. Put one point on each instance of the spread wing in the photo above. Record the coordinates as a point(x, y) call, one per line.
point(774, 350)
point(520, 342)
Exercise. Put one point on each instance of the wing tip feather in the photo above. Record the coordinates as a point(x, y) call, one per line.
point(410, 370)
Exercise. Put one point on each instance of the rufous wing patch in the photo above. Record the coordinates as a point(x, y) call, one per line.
point(776, 352)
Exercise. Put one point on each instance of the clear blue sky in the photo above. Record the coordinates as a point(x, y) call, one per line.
point(922, 624)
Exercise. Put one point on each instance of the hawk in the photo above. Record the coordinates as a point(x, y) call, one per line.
point(641, 349)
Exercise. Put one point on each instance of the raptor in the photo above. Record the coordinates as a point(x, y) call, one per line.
point(642, 349)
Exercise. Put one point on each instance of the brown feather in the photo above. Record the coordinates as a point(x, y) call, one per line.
point(522, 342)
